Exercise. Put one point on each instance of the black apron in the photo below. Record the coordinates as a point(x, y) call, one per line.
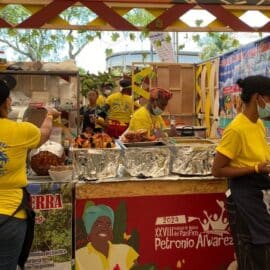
point(251, 194)
point(29, 235)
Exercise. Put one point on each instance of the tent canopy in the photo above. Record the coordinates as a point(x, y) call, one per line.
point(110, 14)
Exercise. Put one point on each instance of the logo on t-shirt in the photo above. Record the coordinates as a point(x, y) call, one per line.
point(3, 157)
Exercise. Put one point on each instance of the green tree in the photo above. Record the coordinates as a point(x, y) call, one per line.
point(214, 44)
point(44, 44)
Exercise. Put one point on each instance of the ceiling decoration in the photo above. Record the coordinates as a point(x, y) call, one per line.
point(167, 14)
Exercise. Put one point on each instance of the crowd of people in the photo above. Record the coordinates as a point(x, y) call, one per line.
point(114, 112)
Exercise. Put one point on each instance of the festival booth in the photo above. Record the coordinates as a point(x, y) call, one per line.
point(165, 208)
point(166, 205)
point(172, 213)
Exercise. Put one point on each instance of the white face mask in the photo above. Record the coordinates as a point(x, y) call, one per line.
point(264, 112)
point(157, 111)
point(107, 92)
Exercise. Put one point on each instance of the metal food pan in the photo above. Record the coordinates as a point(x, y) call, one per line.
point(190, 140)
point(144, 144)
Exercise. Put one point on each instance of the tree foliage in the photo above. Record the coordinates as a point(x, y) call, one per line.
point(44, 44)
point(95, 81)
point(214, 44)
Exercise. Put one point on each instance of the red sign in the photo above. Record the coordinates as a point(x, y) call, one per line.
point(186, 232)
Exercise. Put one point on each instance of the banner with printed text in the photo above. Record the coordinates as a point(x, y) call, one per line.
point(185, 232)
point(52, 244)
point(251, 59)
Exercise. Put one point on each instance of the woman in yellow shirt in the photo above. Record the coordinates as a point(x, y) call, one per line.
point(119, 107)
point(15, 141)
point(149, 116)
point(243, 156)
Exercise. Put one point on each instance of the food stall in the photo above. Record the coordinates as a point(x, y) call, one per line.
point(166, 204)
point(131, 178)
point(173, 221)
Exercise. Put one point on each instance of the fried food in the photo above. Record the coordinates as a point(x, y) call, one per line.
point(98, 140)
point(140, 135)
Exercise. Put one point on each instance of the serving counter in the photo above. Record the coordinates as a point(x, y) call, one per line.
point(173, 223)
point(166, 220)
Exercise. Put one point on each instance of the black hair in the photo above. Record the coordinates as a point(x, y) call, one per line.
point(254, 84)
point(7, 82)
point(125, 83)
point(107, 84)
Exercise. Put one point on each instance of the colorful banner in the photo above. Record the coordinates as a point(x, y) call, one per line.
point(252, 59)
point(52, 244)
point(185, 232)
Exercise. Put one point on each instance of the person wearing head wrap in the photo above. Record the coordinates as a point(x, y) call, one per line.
point(16, 139)
point(92, 213)
point(98, 221)
point(243, 156)
point(149, 116)
point(119, 107)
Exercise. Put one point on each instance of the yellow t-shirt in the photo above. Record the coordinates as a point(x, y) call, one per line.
point(101, 100)
point(121, 107)
point(244, 142)
point(143, 119)
point(15, 140)
point(119, 254)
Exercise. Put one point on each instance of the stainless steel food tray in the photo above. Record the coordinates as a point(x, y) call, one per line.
point(143, 144)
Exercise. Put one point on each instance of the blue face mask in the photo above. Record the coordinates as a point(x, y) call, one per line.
point(157, 111)
point(264, 112)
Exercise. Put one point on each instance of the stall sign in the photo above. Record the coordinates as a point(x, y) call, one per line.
point(172, 232)
point(52, 244)
point(251, 59)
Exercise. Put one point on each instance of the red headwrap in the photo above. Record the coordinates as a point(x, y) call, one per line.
point(160, 93)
